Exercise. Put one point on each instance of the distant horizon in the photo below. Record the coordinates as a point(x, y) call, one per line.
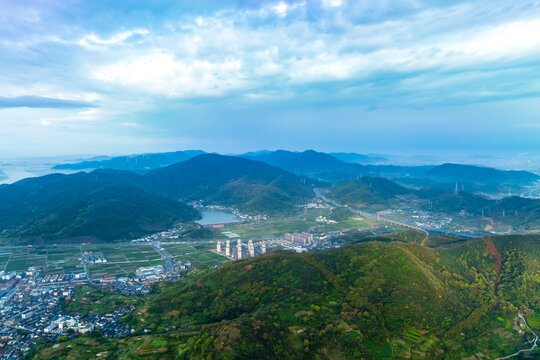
point(529, 162)
point(230, 76)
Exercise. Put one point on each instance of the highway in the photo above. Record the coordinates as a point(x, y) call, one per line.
point(169, 262)
point(377, 217)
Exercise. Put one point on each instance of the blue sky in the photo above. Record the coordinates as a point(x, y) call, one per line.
point(398, 77)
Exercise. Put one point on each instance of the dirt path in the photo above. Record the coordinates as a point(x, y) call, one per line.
point(491, 249)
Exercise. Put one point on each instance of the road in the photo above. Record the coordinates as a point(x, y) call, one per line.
point(425, 230)
point(169, 262)
point(534, 342)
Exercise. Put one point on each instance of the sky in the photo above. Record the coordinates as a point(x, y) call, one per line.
point(367, 76)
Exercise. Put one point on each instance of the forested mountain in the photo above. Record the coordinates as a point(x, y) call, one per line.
point(232, 181)
point(112, 204)
point(371, 194)
point(371, 300)
point(374, 194)
point(104, 205)
point(137, 163)
point(327, 167)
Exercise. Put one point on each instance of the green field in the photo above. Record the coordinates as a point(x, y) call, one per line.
point(123, 259)
point(50, 259)
point(277, 226)
point(199, 254)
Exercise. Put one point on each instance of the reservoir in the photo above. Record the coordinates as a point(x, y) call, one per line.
point(210, 217)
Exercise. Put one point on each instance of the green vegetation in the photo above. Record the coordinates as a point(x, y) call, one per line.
point(470, 210)
point(370, 300)
point(122, 259)
point(199, 255)
point(91, 300)
point(372, 194)
point(304, 221)
point(49, 259)
point(249, 185)
point(85, 205)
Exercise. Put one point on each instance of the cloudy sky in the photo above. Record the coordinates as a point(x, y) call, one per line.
point(388, 76)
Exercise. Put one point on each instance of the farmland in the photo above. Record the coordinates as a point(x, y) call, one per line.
point(198, 254)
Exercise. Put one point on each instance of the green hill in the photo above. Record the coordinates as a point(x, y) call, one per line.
point(104, 205)
point(114, 205)
point(371, 300)
point(233, 181)
point(369, 193)
point(375, 194)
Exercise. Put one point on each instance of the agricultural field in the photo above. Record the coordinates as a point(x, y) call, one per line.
point(306, 221)
point(123, 259)
point(198, 254)
point(50, 259)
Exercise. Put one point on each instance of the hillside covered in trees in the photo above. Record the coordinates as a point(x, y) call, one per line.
point(378, 298)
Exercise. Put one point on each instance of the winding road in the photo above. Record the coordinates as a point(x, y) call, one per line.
point(534, 342)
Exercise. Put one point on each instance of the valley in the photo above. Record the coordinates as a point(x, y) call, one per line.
point(200, 207)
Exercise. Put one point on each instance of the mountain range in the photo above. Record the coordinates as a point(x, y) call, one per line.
point(336, 167)
point(115, 204)
point(473, 179)
point(68, 206)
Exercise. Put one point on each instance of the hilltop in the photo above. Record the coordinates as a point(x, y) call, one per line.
point(372, 300)
point(232, 181)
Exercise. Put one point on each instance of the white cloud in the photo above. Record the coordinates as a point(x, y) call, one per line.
point(92, 41)
point(331, 3)
point(282, 8)
point(228, 54)
point(161, 73)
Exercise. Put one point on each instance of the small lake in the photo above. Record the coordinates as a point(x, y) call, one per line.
point(216, 217)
